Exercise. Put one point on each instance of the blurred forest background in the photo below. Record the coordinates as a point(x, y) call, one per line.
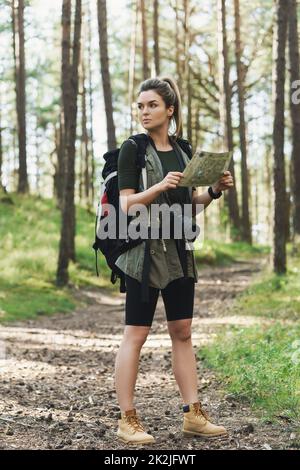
point(69, 75)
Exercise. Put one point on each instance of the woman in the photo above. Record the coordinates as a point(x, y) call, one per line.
point(159, 107)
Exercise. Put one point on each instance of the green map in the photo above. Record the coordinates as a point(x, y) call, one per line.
point(205, 168)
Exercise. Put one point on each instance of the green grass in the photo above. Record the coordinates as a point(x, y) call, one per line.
point(29, 234)
point(262, 364)
point(34, 297)
point(223, 254)
point(273, 296)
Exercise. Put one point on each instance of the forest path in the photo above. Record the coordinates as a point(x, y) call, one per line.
point(57, 387)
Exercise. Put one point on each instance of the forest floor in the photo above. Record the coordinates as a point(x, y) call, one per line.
point(57, 386)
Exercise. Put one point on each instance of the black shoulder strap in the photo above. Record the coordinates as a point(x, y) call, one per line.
point(141, 141)
point(186, 146)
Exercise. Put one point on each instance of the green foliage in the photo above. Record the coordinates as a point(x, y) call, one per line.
point(32, 297)
point(275, 296)
point(261, 366)
point(222, 254)
point(224, 216)
point(29, 232)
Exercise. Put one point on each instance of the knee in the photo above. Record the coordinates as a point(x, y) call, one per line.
point(136, 335)
point(180, 331)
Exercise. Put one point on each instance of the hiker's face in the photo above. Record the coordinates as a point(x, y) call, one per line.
point(153, 112)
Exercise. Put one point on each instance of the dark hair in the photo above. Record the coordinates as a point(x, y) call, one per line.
point(167, 88)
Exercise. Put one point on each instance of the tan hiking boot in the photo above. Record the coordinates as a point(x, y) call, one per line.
point(130, 429)
point(196, 422)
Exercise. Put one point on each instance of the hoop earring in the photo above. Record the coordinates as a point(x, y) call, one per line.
point(172, 126)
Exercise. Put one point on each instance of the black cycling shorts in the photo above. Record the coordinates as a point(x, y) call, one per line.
point(178, 298)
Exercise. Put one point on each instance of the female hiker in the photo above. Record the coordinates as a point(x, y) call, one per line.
point(172, 268)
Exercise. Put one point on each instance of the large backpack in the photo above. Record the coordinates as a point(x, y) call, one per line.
point(112, 248)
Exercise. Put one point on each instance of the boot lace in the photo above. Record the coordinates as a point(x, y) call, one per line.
point(199, 411)
point(135, 423)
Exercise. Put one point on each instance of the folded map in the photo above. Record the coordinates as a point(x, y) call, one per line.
point(205, 168)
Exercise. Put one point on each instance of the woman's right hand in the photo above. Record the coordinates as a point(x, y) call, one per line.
point(170, 181)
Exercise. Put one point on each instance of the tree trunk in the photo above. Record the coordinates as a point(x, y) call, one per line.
point(73, 120)
point(268, 191)
point(295, 115)
point(256, 175)
point(62, 275)
point(15, 171)
point(178, 47)
point(91, 108)
point(67, 239)
point(57, 178)
point(156, 37)
point(66, 90)
point(20, 81)
point(80, 176)
point(225, 113)
point(104, 61)
point(197, 125)
point(37, 157)
point(1, 151)
point(146, 70)
point(246, 225)
point(84, 136)
point(189, 107)
point(278, 141)
point(131, 74)
point(187, 70)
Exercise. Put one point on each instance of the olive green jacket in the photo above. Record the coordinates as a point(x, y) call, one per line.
point(165, 265)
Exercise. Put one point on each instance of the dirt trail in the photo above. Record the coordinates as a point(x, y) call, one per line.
point(57, 385)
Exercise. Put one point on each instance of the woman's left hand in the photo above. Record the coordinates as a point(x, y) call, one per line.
point(224, 183)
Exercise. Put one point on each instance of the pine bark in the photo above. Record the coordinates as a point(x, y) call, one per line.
point(20, 82)
point(295, 115)
point(156, 37)
point(246, 225)
point(146, 69)
point(106, 82)
point(225, 113)
point(67, 236)
point(279, 247)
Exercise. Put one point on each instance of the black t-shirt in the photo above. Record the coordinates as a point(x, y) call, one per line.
point(128, 173)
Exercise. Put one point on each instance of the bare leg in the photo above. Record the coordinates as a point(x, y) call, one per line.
point(183, 359)
point(127, 363)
